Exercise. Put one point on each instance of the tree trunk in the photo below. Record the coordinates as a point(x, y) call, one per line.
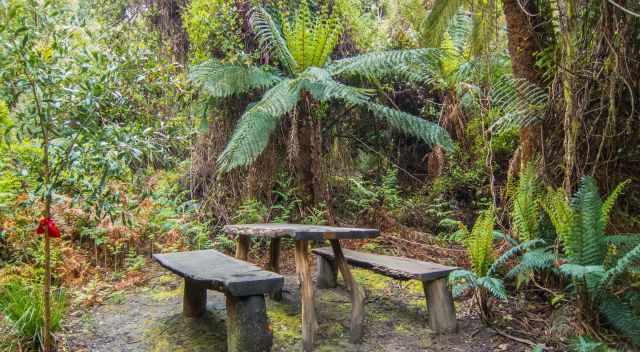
point(523, 46)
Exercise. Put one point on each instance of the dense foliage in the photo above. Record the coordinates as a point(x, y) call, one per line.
point(145, 126)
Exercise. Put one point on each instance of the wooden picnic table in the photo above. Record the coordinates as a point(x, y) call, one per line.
point(302, 235)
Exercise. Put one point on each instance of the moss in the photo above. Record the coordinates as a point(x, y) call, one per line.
point(180, 334)
point(161, 294)
point(371, 281)
point(285, 323)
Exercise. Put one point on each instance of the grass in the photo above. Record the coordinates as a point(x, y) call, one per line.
point(21, 304)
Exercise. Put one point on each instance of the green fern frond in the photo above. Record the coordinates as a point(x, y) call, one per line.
point(526, 205)
point(384, 63)
point(442, 14)
point(460, 281)
point(580, 272)
point(531, 261)
point(629, 239)
point(494, 285)
point(224, 80)
point(562, 217)
point(428, 132)
point(256, 125)
point(620, 315)
point(513, 251)
point(479, 244)
point(608, 204)
point(270, 37)
point(323, 87)
point(521, 102)
point(484, 29)
point(621, 266)
point(590, 248)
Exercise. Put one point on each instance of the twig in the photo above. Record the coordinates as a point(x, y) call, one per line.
point(518, 339)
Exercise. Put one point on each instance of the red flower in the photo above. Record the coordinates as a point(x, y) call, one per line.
point(50, 227)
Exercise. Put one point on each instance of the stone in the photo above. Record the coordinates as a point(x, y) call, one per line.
point(220, 272)
point(327, 273)
point(248, 328)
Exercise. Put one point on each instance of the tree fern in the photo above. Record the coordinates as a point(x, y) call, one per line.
point(270, 37)
point(254, 129)
point(442, 13)
point(224, 80)
point(521, 102)
point(384, 63)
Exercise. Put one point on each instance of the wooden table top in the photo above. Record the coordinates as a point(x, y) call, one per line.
point(301, 232)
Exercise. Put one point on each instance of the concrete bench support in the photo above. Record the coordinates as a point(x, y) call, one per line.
point(244, 286)
point(194, 303)
point(442, 314)
point(248, 325)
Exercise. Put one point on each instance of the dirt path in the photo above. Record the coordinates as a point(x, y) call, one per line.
point(149, 319)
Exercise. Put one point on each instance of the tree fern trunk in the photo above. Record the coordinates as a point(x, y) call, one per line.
point(523, 46)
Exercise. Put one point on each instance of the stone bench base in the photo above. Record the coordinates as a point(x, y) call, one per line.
point(442, 314)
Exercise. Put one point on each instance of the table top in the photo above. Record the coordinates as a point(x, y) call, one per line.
point(301, 232)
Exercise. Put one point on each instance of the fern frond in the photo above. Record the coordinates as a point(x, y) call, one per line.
point(513, 251)
point(483, 33)
point(526, 205)
point(256, 125)
point(620, 315)
point(436, 24)
point(323, 87)
point(460, 281)
point(521, 102)
point(384, 63)
point(534, 260)
point(608, 204)
point(479, 244)
point(494, 285)
point(270, 37)
point(224, 80)
point(621, 266)
point(580, 272)
point(629, 239)
point(563, 219)
point(428, 132)
point(590, 248)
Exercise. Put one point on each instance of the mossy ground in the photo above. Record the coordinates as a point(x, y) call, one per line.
point(149, 319)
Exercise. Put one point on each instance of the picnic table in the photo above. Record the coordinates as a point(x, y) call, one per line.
point(302, 235)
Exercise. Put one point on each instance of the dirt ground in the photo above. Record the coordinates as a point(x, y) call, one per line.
point(148, 318)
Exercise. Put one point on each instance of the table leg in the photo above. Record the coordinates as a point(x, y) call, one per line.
point(309, 322)
point(242, 247)
point(357, 293)
point(274, 263)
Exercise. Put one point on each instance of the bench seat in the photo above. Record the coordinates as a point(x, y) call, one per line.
point(244, 285)
point(434, 277)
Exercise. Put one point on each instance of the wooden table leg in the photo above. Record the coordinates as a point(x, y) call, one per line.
point(309, 322)
point(274, 263)
point(357, 293)
point(242, 247)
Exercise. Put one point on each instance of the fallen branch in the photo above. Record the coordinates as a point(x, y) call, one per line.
point(519, 339)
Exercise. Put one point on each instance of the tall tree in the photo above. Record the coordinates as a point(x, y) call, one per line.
point(523, 46)
point(305, 78)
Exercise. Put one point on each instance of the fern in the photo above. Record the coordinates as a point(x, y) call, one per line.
point(427, 131)
point(512, 252)
point(270, 37)
point(382, 64)
point(526, 206)
point(252, 133)
point(533, 260)
point(442, 14)
point(494, 286)
point(521, 102)
point(621, 316)
point(223, 80)
point(589, 233)
point(608, 204)
point(461, 280)
point(479, 244)
point(621, 266)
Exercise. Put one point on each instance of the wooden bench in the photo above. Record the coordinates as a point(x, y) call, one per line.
point(442, 315)
point(244, 286)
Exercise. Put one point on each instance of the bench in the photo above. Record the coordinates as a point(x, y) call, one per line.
point(442, 315)
point(244, 286)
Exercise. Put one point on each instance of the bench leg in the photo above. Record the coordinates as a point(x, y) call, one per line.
point(274, 264)
point(194, 303)
point(327, 273)
point(309, 322)
point(442, 313)
point(357, 293)
point(248, 327)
